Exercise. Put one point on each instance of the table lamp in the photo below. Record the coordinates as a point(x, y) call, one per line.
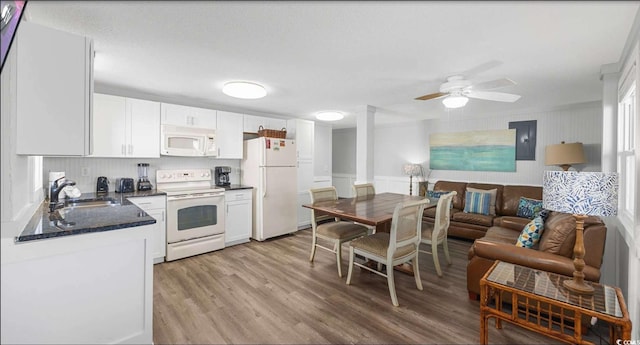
point(581, 194)
point(564, 155)
point(412, 170)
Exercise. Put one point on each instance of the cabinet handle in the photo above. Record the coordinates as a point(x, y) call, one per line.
point(163, 216)
point(123, 150)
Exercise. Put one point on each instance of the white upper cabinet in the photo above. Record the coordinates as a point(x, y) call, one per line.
point(303, 132)
point(125, 127)
point(229, 135)
point(143, 119)
point(108, 126)
point(182, 115)
point(252, 123)
point(54, 76)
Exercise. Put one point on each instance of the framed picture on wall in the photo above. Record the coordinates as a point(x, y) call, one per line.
point(525, 139)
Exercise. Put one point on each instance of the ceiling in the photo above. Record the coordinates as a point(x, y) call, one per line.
point(314, 56)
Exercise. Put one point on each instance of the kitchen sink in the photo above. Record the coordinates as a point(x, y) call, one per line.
point(90, 203)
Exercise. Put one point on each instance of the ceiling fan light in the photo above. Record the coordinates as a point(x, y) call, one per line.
point(244, 89)
point(329, 116)
point(453, 102)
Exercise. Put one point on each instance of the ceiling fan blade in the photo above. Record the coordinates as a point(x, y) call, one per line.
point(492, 96)
point(432, 96)
point(493, 84)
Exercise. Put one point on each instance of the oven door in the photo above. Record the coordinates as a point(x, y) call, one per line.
point(194, 216)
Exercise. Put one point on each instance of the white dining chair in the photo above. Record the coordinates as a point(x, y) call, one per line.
point(398, 246)
point(331, 229)
point(436, 233)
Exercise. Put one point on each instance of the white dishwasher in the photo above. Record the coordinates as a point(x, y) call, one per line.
point(239, 217)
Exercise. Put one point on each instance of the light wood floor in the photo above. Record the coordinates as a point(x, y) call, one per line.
point(269, 293)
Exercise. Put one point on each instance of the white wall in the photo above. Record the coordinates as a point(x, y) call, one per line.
point(322, 150)
point(344, 151)
point(409, 142)
point(113, 168)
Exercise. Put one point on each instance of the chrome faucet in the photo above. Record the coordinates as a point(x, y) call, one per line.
point(55, 191)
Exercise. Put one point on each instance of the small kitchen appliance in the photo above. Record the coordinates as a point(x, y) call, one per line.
point(222, 176)
point(143, 177)
point(102, 185)
point(125, 185)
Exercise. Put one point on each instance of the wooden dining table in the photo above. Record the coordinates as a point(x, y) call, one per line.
point(375, 210)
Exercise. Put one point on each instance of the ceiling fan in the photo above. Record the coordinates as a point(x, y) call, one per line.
point(458, 91)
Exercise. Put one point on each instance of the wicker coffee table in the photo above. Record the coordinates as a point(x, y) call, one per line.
point(539, 302)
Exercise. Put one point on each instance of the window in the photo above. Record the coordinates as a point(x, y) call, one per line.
point(627, 117)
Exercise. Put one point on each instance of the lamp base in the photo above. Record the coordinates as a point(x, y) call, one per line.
point(578, 287)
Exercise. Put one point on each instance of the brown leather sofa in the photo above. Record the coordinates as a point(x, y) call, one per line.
point(554, 252)
point(471, 225)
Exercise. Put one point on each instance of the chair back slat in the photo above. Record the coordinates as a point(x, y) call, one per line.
point(363, 190)
point(406, 225)
point(443, 216)
point(322, 194)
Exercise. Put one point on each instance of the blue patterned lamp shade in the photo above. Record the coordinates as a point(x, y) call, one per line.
point(586, 193)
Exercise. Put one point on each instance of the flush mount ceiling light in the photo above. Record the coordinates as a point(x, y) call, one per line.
point(244, 89)
point(329, 116)
point(455, 101)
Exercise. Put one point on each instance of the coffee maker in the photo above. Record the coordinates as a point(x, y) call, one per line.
point(222, 176)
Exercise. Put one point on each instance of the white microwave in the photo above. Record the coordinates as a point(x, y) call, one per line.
point(188, 141)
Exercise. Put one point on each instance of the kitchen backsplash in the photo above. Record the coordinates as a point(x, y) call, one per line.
point(112, 168)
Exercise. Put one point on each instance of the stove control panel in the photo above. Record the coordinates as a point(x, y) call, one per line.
point(183, 175)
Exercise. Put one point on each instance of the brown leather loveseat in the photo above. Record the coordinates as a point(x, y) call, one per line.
point(472, 225)
point(554, 252)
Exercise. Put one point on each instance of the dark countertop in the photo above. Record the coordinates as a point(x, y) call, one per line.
point(82, 220)
point(235, 187)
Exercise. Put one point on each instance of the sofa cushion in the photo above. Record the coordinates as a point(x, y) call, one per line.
point(487, 187)
point(500, 234)
point(459, 187)
point(560, 234)
point(508, 205)
point(531, 232)
point(492, 192)
point(476, 202)
point(473, 218)
point(529, 208)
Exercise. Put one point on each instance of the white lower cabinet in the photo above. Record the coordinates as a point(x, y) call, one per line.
point(94, 288)
point(239, 216)
point(156, 207)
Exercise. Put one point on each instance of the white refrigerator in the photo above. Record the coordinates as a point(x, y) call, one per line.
point(270, 167)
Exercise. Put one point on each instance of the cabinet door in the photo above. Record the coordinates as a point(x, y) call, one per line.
point(174, 114)
point(155, 206)
point(229, 135)
point(304, 214)
point(203, 118)
point(252, 123)
point(238, 222)
point(143, 118)
point(108, 126)
point(159, 244)
point(304, 139)
point(54, 92)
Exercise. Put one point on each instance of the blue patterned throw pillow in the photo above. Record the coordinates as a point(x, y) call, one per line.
point(477, 203)
point(436, 194)
point(531, 233)
point(529, 208)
